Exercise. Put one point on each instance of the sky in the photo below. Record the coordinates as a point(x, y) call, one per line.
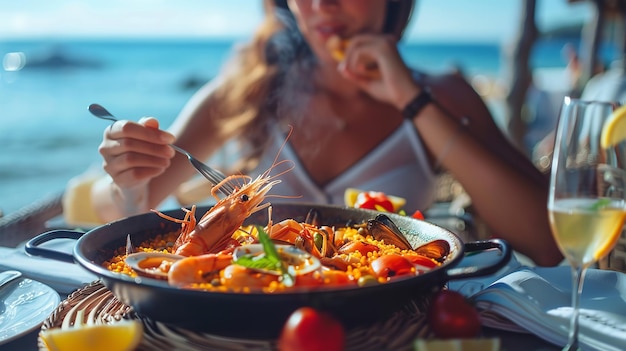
point(478, 20)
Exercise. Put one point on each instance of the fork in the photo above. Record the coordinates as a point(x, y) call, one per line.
point(213, 175)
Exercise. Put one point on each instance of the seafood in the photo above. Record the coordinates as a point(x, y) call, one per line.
point(213, 231)
point(298, 262)
point(218, 269)
point(382, 228)
point(198, 269)
point(239, 278)
point(315, 256)
point(217, 225)
point(152, 264)
point(319, 241)
point(187, 225)
point(437, 250)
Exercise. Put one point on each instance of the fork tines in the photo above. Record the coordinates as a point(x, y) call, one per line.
point(216, 177)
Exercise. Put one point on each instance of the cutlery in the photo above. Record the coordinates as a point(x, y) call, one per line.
point(213, 175)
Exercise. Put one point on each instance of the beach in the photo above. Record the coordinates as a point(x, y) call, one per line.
point(48, 136)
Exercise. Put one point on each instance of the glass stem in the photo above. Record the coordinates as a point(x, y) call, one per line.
point(578, 276)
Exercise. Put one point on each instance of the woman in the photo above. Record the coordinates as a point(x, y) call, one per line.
point(368, 121)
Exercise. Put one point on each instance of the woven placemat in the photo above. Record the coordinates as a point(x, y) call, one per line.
point(102, 307)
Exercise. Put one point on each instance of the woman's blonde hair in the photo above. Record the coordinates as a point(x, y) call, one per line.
point(250, 91)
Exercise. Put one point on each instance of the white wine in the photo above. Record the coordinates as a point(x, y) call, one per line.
point(584, 231)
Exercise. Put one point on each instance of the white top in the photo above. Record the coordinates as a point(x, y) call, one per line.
point(397, 166)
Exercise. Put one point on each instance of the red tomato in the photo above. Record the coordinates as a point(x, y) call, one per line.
point(391, 265)
point(421, 260)
point(310, 330)
point(337, 278)
point(451, 316)
point(373, 200)
point(418, 215)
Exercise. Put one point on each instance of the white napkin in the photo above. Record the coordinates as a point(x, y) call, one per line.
point(538, 299)
point(61, 276)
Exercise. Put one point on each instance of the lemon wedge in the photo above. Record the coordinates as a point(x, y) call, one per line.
point(351, 194)
point(485, 344)
point(120, 336)
point(614, 129)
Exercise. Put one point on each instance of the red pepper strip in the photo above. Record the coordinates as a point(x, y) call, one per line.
point(418, 215)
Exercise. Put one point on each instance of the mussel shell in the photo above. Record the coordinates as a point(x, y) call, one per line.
point(313, 217)
point(307, 263)
point(147, 263)
point(382, 228)
point(438, 250)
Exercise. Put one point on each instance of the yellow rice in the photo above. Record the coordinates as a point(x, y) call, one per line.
point(359, 267)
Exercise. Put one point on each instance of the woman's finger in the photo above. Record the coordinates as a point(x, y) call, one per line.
point(129, 129)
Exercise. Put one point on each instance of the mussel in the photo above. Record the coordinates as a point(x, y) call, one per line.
point(438, 250)
point(383, 228)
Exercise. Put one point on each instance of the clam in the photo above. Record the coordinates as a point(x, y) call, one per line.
point(152, 264)
point(299, 262)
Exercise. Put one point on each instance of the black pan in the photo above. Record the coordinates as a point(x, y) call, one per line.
point(262, 315)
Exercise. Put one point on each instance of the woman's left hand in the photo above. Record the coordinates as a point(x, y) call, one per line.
point(374, 64)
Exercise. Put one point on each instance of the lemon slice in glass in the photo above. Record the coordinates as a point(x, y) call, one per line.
point(484, 344)
point(614, 129)
point(119, 336)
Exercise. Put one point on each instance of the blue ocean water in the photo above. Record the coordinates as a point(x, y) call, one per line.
point(47, 135)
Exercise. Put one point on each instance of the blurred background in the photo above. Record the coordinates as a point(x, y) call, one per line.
point(147, 57)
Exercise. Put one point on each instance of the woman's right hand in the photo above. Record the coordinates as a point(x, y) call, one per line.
point(393, 82)
point(135, 152)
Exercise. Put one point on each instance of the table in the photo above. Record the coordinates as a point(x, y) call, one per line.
point(510, 341)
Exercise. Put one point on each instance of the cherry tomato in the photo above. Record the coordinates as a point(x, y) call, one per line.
point(307, 329)
point(391, 265)
point(373, 200)
point(451, 316)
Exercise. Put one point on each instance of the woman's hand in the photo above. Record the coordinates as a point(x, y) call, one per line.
point(134, 152)
point(374, 64)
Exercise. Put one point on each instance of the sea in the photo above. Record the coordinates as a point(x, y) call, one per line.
point(47, 136)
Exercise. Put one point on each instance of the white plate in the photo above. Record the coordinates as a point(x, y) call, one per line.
point(24, 305)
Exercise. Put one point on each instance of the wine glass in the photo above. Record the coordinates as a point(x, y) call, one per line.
point(586, 204)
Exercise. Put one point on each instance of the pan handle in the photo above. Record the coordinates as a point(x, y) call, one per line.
point(32, 246)
point(475, 271)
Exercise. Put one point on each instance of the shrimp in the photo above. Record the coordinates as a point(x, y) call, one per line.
point(214, 230)
point(188, 223)
point(303, 235)
point(198, 269)
point(241, 278)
